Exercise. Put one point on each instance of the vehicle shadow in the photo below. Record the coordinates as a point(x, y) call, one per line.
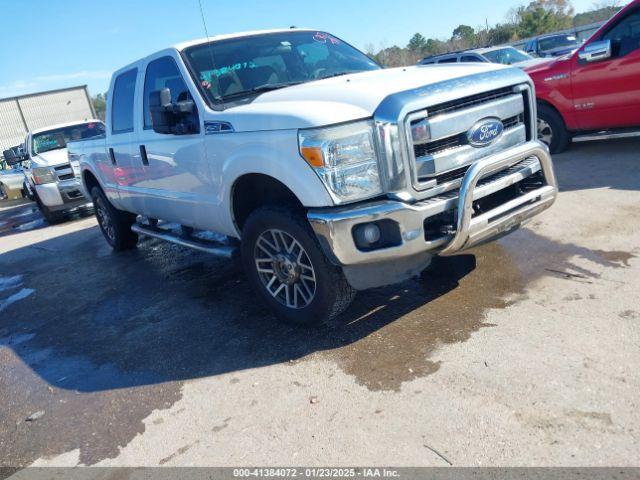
point(100, 321)
point(606, 163)
point(24, 216)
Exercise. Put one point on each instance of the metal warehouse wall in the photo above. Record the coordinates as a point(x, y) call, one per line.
point(20, 114)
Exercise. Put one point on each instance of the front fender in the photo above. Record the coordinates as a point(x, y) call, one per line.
point(272, 153)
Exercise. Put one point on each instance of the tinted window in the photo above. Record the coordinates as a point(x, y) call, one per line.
point(470, 58)
point(230, 69)
point(124, 90)
point(163, 73)
point(507, 56)
point(557, 41)
point(58, 138)
point(625, 36)
point(448, 60)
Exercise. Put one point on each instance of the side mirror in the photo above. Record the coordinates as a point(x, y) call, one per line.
point(11, 158)
point(171, 118)
point(595, 51)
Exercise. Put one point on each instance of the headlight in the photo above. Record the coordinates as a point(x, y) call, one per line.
point(43, 175)
point(344, 157)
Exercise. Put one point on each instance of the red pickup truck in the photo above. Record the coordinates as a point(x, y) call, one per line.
point(595, 91)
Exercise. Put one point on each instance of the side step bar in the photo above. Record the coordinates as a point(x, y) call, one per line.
point(605, 135)
point(212, 248)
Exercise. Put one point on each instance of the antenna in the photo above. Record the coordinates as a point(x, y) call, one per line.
point(206, 32)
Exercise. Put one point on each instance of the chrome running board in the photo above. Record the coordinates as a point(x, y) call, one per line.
point(606, 135)
point(213, 248)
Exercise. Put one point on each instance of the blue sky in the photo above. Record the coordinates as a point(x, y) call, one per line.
point(60, 43)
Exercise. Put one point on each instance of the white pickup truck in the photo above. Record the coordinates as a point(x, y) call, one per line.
point(327, 173)
point(49, 178)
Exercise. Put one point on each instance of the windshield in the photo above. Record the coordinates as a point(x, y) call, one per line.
point(558, 41)
point(507, 56)
point(240, 67)
point(58, 138)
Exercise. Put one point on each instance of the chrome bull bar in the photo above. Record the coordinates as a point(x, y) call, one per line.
point(334, 227)
point(471, 231)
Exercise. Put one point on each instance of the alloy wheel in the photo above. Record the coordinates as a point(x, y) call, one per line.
point(104, 219)
point(285, 269)
point(545, 132)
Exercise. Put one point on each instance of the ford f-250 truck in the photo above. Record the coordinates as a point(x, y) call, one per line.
point(595, 92)
point(327, 173)
point(49, 178)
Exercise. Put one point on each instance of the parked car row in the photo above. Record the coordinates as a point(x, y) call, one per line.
point(48, 177)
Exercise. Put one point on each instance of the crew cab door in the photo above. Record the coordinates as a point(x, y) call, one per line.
point(606, 92)
point(122, 170)
point(177, 184)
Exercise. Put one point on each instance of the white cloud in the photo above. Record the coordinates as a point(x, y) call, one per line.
point(84, 74)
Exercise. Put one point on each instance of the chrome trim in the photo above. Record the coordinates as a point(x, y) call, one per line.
point(390, 114)
point(168, 236)
point(459, 121)
point(334, 226)
point(468, 230)
point(595, 51)
point(213, 127)
point(605, 136)
point(458, 157)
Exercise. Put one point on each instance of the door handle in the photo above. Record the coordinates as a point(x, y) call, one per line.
point(112, 156)
point(143, 155)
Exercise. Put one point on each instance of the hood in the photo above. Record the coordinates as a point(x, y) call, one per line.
point(544, 64)
point(533, 62)
point(51, 158)
point(339, 99)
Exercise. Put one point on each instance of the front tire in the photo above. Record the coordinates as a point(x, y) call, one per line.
point(286, 266)
point(552, 130)
point(115, 224)
point(50, 216)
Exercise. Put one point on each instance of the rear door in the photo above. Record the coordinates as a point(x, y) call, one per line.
point(607, 92)
point(123, 170)
point(176, 185)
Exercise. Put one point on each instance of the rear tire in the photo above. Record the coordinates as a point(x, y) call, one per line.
point(551, 129)
point(287, 268)
point(115, 224)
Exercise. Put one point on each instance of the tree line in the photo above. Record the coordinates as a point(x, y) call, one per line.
point(536, 18)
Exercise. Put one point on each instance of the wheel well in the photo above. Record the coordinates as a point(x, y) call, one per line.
point(89, 181)
point(255, 190)
point(552, 107)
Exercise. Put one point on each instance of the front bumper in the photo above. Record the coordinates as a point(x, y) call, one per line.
point(334, 227)
point(62, 195)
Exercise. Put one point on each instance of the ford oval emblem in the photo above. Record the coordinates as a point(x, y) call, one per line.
point(485, 132)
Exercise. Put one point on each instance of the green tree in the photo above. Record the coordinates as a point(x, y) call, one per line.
point(417, 44)
point(542, 16)
point(100, 105)
point(593, 16)
point(464, 35)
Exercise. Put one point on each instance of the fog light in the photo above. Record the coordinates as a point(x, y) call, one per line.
point(371, 233)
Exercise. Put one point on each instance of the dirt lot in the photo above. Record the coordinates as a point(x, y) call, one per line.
point(521, 352)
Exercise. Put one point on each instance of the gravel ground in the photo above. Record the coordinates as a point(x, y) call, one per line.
point(523, 352)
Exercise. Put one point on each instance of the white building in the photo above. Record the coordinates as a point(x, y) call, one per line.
point(20, 114)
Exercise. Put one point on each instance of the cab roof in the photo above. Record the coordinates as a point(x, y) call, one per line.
point(181, 46)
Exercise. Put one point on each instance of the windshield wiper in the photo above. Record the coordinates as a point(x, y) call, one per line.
point(333, 75)
point(267, 87)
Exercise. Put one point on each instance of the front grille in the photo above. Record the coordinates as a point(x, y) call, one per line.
point(438, 146)
point(64, 172)
point(446, 153)
point(467, 102)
